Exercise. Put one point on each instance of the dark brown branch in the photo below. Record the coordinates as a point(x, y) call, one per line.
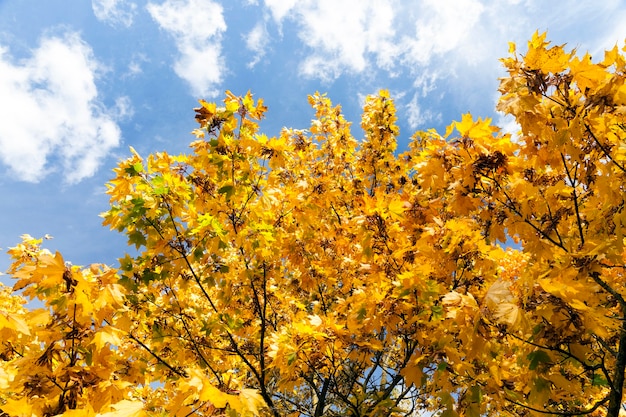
point(573, 183)
point(617, 388)
point(336, 214)
point(561, 413)
point(157, 357)
point(262, 310)
point(193, 342)
point(606, 287)
point(510, 204)
point(567, 354)
point(604, 150)
point(321, 399)
point(553, 220)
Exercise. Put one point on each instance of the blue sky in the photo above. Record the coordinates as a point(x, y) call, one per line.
point(81, 81)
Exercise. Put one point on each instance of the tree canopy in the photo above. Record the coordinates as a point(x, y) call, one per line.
point(479, 272)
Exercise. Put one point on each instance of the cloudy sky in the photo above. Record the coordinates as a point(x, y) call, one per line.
point(81, 81)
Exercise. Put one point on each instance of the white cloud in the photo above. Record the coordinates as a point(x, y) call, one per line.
point(359, 36)
point(438, 36)
point(135, 65)
point(114, 12)
point(123, 108)
point(615, 33)
point(340, 35)
point(257, 41)
point(280, 8)
point(196, 26)
point(442, 27)
point(418, 117)
point(134, 68)
point(51, 112)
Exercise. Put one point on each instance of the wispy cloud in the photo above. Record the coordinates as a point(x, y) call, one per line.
point(123, 109)
point(365, 36)
point(52, 116)
point(280, 8)
point(135, 65)
point(114, 12)
point(257, 41)
point(616, 32)
point(340, 36)
point(197, 27)
point(442, 26)
point(417, 116)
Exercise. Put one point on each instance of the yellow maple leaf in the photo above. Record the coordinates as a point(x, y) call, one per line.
point(586, 74)
point(18, 407)
point(13, 322)
point(125, 408)
point(108, 335)
point(86, 411)
point(210, 393)
point(499, 292)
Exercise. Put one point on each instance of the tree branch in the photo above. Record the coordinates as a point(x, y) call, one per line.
point(604, 150)
point(158, 358)
point(561, 413)
point(573, 184)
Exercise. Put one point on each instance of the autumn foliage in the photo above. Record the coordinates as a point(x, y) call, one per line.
point(476, 273)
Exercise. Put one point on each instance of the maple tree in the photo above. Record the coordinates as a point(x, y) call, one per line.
point(309, 274)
